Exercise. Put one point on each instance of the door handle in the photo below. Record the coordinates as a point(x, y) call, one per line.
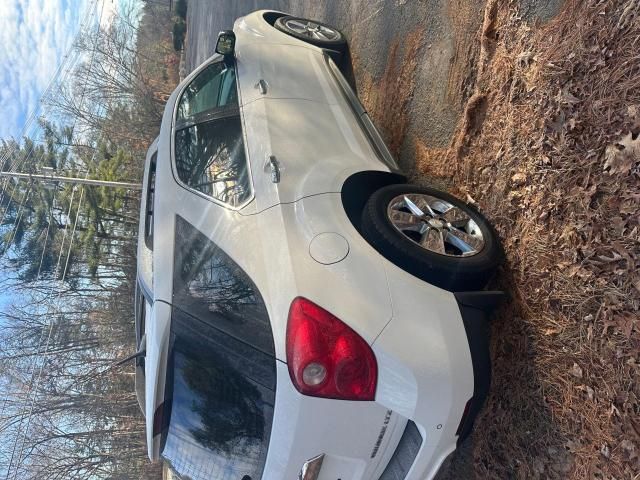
point(262, 86)
point(274, 166)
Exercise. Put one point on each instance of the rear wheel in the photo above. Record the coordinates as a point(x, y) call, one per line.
point(311, 31)
point(432, 235)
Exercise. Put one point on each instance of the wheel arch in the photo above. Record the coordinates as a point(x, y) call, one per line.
point(271, 16)
point(358, 187)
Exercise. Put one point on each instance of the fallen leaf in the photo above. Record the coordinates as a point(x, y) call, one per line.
point(614, 411)
point(621, 156)
point(588, 390)
point(572, 446)
point(568, 97)
point(469, 199)
point(614, 258)
point(625, 324)
point(519, 179)
point(576, 371)
point(524, 59)
point(630, 448)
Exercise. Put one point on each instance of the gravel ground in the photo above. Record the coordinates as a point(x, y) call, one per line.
point(413, 63)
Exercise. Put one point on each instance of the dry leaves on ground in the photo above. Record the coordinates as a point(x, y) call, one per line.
point(555, 163)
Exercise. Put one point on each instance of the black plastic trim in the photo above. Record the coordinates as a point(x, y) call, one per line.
point(486, 301)
point(271, 17)
point(405, 455)
point(476, 309)
point(149, 203)
point(357, 189)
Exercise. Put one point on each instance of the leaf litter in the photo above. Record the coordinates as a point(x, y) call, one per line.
point(554, 162)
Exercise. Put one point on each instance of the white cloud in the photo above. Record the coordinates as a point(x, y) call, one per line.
point(110, 9)
point(35, 35)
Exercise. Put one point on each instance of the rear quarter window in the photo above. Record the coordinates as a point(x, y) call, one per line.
point(210, 286)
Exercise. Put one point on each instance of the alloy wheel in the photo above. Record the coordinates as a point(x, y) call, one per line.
point(310, 29)
point(435, 225)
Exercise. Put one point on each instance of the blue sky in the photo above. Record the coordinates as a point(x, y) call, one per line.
point(34, 37)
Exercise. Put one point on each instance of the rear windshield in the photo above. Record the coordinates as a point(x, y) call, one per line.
point(219, 400)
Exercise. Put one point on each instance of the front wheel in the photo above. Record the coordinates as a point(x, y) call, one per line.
point(311, 31)
point(432, 235)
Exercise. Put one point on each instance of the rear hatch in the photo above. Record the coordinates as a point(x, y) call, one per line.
point(221, 369)
point(230, 409)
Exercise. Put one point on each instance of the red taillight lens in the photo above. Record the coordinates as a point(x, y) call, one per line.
point(326, 358)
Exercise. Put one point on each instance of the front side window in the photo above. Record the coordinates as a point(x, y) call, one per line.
point(209, 146)
point(213, 88)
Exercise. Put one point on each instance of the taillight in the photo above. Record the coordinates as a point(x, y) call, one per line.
point(325, 357)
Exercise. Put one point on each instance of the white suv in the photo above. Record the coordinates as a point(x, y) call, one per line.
point(302, 312)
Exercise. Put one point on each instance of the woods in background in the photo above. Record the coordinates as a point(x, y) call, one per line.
point(69, 261)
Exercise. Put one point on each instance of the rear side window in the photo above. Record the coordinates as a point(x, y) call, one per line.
point(210, 159)
point(210, 286)
point(209, 145)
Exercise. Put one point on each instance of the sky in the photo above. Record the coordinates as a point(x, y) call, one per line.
point(34, 37)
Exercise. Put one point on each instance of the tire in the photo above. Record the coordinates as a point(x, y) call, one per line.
point(446, 261)
point(322, 36)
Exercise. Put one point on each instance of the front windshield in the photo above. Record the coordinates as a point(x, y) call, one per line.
point(220, 398)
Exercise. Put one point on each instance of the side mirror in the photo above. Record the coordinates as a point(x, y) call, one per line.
point(226, 43)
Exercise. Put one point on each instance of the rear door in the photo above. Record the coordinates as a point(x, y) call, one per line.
point(303, 137)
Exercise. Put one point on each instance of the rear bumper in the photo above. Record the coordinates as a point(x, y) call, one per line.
point(425, 366)
point(476, 308)
point(434, 366)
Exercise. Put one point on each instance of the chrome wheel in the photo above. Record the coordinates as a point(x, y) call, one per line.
point(435, 225)
point(312, 30)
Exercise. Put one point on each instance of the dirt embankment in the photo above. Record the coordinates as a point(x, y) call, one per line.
point(548, 148)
